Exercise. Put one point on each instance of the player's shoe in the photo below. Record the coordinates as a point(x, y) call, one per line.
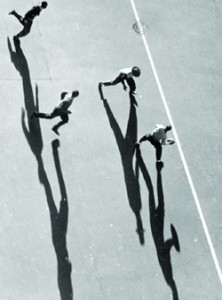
point(159, 162)
point(159, 165)
point(133, 92)
point(12, 12)
point(55, 130)
point(137, 144)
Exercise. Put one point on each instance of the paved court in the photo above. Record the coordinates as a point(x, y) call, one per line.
point(84, 216)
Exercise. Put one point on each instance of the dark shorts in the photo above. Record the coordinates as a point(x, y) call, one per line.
point(58, 113)
point(153, 141)
point(131, 83)
point(27, 22)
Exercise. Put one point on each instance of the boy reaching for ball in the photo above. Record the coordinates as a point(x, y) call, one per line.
point(157, 138)
point(125, 76)
point(61, 110)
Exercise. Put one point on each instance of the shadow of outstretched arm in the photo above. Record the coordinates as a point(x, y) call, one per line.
point(157, 214)
point(126, 146)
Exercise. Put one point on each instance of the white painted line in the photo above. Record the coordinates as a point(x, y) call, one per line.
point(193, 190)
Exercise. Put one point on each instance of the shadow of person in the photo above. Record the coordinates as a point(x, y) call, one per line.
point(59, 221)
point(32, 132)
point(157, 213)
point(126, 146)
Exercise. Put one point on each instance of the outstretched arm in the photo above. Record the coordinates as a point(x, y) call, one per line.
point(142, 139)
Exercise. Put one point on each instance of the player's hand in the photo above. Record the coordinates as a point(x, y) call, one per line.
point(170, 141)
point(133, 92)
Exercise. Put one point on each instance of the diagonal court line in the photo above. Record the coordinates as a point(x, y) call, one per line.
point(193, 190)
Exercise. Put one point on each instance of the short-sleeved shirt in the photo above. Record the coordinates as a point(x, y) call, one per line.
point(32, 13)
point(159, 134)
point(126, 73)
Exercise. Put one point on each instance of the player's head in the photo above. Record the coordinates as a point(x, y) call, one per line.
point(168, 128)
point(136, 71)
point(44, 4)
point(75, 93)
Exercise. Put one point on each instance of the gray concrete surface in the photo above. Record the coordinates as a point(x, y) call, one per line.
point(76, 45)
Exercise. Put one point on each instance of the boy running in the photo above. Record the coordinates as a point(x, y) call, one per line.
point(27, 20)
point(61, 110)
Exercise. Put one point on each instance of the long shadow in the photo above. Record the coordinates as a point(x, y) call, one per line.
point(126, 147)
point(32, 132)
point(157, 214)
point(59, 222)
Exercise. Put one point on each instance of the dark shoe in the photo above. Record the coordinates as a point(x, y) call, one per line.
point(159, 165)
point(175, 238)
point(12, 12)
point(55, 130)
point(160, 162)
point(137, 144)
point(133, 93)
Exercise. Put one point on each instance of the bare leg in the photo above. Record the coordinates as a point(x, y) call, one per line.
point(65, 119)
point(18, 17)
point(27, 28)
point(43, 115)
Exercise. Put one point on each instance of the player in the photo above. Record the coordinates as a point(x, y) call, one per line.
point(157, 138)
point(125, 76)
point(60, 110)
point(27, 20)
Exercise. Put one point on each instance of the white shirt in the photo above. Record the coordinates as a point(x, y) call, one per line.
point(159, 134)
point(127, 72)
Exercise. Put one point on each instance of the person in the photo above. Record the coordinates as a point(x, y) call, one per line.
point(158, 138)
point(60, 110)
point(125, 76)
point(27, 20)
